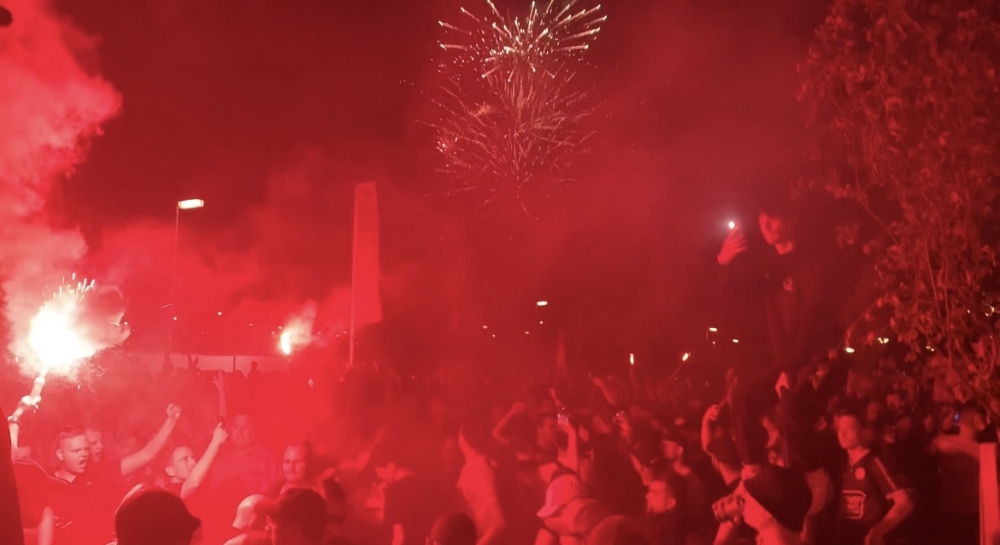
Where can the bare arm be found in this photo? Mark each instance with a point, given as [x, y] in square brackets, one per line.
[398, 534]
[220, 385]
[139, 460]
[726, 534]
[498, 430]
[494, 519]
[201, 468]
[572, 460]
[46, 527]
[545, 538]
[707, 421]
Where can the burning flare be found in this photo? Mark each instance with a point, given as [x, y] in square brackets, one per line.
[297, 332]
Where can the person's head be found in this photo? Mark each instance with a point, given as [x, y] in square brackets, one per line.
[243, 431]
[453, 529]
[563, 490]
[776, 497]
[295, 462]
[664, 493]
[473, 439]
[248, 519]
[253, 365]
[547, 429]
[336, 502]
[969, 421]
[777, 222]
[619, 530]
[153, 516]
[299, 517]
[73, 450]
[850, 426]
[672, 446]
[181, 463]
[96, 440]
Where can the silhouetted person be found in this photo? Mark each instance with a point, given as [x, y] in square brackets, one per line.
[153, 516]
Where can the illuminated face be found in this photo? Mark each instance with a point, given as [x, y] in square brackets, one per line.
[241, 434]
[849, 432]
[95, 439]
[671, 450]
[74, 453]
[659, 498]
[547, 430]
[182, 463]
[775, 229]
[293, 464]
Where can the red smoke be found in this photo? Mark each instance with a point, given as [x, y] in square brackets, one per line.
[49, 107]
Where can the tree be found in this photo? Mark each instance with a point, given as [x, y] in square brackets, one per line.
[904, 98]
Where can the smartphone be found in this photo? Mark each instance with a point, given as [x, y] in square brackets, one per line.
[562, 418]
[955, 418]
[732, 225]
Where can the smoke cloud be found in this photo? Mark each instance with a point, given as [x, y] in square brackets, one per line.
[49, 107]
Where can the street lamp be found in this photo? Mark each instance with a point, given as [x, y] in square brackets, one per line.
[187, 204]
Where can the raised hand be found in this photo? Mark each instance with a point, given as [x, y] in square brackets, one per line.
[734, 245]
[173, 412]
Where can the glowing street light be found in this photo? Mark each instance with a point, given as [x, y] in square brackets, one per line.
[187, 204]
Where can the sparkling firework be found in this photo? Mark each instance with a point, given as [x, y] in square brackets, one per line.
[510, 115]
[74, 324]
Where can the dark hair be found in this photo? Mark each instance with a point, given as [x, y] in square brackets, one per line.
[305, 508]
[69, 432]
[476, 437]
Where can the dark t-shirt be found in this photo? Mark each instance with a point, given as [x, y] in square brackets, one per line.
[411, 503]
[864, 501]
[82, 515]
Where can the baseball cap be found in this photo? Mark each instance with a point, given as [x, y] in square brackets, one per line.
[562, 490]
[783, 493]
[151, 516]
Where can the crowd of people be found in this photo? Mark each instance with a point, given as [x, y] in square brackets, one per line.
[795, 448]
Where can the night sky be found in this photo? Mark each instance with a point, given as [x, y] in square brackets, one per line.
[270, 111]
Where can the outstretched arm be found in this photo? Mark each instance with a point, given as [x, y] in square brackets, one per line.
[10, 515]
[139, 460]
[201, 468]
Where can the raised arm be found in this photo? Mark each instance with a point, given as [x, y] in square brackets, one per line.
[201, 468]
[498, 431]
[220, 386]
[135, 462]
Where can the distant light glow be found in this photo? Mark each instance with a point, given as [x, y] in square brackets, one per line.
[713, 329]
[542, 303]
[686, 356]
[732, 225]
[298, 331]
[190, 204]
[631, 359]
[849, 350]
[736, 341]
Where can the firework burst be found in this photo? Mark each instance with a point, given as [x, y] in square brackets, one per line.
[74, 324]
[510, 114]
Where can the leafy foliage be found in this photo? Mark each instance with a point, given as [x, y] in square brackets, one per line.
[905, 100]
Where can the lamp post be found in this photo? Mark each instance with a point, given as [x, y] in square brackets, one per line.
[188, 204]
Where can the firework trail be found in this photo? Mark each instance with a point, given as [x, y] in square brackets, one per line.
[510, 117]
